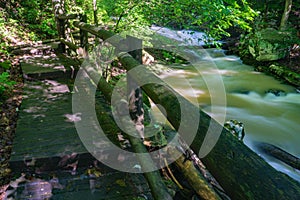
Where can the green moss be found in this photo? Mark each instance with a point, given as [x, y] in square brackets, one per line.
[288, 75]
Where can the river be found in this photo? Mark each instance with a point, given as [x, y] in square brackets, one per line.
[269, 109]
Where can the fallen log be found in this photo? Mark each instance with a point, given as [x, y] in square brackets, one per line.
[240, 171]
[193, 177]
[280, 154]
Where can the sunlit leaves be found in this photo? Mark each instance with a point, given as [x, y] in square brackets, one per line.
[213, 17]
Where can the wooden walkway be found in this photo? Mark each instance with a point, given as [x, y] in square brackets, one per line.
[47, 146]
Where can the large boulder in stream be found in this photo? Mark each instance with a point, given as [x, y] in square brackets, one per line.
[268, 45]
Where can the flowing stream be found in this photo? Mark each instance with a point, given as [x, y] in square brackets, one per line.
[269, 109]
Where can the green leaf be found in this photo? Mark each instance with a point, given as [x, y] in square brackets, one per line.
[6, 64]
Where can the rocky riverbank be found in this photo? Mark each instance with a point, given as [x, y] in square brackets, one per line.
[283, 66]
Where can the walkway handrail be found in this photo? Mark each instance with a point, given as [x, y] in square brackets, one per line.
[240, 171]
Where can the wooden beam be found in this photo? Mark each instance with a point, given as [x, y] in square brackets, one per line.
[158, 188]
[68, 16]
[71, 45]
[59, 9]
[193, 176]
[99, 32]
[239, 170]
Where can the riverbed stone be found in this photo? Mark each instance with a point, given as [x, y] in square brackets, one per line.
[276, 92]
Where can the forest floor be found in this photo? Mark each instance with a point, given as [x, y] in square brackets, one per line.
[10, 106]
[293, 63]
[8, 121]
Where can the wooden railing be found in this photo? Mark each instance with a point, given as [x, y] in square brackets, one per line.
[240, 171]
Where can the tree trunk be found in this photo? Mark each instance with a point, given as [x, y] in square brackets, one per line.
[285, 15]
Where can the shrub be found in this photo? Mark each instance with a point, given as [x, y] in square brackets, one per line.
[6, 84]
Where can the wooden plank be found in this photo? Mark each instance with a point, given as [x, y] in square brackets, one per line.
[50, 67]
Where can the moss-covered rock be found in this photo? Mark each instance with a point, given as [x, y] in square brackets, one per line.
[268, 45]
[288, 75]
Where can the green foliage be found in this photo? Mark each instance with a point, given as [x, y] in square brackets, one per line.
[5, 65]
[171, 57]
[271, 12]
[35, 15]
[6, 85]
[282, 71]
[86, 7]
[3, 47]
[213, 17]
[159, 139]
[45, 29]
[269, 41]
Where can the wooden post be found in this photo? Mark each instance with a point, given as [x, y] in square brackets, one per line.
[84, 34]
[59, 9]
[62, 34]
[95, 12]
[135, 96]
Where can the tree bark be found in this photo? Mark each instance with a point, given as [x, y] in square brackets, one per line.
[285, 15]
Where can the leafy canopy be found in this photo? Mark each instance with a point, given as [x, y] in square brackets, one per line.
[213, 17]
